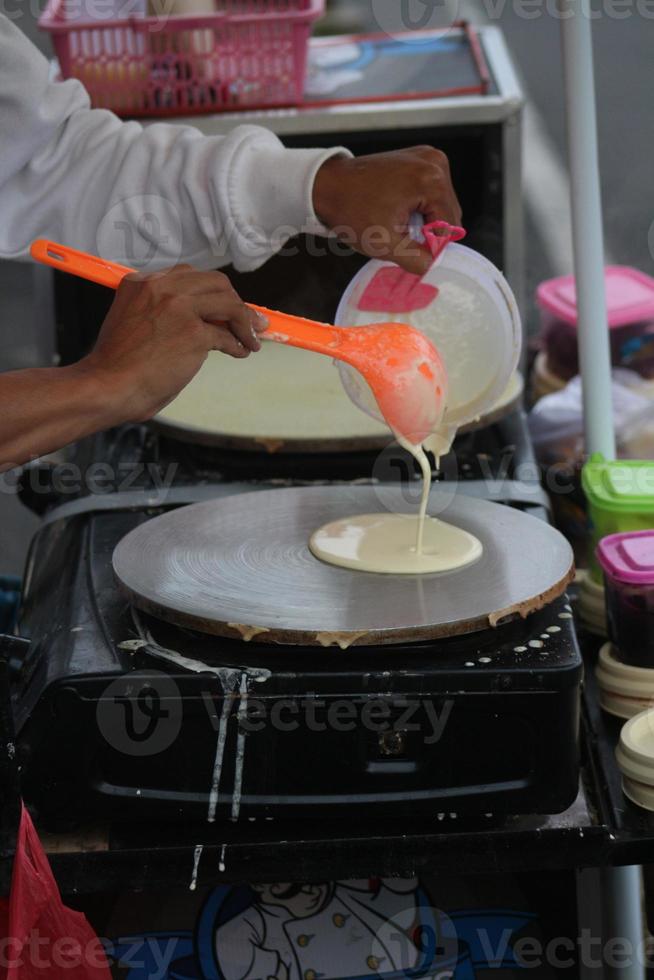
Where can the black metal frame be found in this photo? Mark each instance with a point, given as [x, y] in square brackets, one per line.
[601, 830]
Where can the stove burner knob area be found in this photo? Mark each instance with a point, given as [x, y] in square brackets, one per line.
[392, 744]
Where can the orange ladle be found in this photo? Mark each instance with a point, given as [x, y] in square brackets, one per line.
[402, 367]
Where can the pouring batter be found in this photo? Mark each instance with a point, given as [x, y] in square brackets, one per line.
[397, 544]
[404, 544]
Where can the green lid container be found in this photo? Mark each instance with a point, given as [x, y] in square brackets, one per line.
[620, 496]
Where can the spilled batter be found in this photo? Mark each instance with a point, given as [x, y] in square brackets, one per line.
[397, 544]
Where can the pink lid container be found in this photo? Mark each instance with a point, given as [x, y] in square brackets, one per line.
[629, 297]
[628, 557]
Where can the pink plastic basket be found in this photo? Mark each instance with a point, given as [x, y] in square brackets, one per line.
[249, 53]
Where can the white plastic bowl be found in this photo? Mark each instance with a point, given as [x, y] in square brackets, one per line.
[474, 322]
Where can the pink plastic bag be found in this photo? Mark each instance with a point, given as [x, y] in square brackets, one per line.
[39, 936]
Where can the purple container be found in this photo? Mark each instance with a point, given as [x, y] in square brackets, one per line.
[627, 561]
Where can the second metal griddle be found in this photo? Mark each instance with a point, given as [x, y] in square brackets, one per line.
[229, 566]
[187, 432]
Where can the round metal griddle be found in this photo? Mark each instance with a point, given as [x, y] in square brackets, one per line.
[273, 444]
[188, 433]
[252, 406]
[228, 565]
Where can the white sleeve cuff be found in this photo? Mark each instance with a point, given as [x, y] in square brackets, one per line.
[271, 195]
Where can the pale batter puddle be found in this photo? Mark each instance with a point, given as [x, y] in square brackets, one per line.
[397, 544]
[386, 543]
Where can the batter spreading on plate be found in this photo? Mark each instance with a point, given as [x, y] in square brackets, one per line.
[398, 544]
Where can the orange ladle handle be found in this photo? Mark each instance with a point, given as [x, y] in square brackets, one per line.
[284, 327]
[78, 263]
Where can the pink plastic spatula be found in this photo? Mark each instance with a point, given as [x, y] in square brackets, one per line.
[402, 367]
[393, 290]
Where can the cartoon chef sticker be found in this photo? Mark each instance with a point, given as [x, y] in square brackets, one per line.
[366, 928]
[381, 928]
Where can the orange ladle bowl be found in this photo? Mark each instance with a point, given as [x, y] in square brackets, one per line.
[401, 366]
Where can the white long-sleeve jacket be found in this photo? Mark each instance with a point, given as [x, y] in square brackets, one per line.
[148, 197]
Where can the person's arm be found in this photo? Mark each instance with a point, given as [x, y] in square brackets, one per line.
[151, 197]
[44, 409]
[147, 196]
[156, 337]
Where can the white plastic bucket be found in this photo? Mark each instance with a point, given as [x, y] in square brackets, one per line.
[474, 322]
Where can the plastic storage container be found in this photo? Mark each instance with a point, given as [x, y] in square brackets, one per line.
[248, 53]
[543, 381]
[591, 607]
[627, 561]
[620, 498]
[635, 758]
[630, 302]
[624, 690]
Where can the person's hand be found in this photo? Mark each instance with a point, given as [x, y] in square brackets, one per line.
[159, 332]
[369, 200]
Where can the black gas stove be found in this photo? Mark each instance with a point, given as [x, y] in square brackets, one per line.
[120, 714]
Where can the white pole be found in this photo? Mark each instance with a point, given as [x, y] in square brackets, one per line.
[588, 233]
[621, 885]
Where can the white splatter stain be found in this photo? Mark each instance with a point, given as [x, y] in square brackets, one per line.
[553, 629]
[229, 678]
[565, 615]
[197, 854]
[536, 644]
[195, 666]
[132, 645]
[221, 863]
[240, 749]
[229, 683]
[485, 660]
[520, 649]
